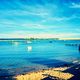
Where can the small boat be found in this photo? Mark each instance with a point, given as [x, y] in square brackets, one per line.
[29, 42]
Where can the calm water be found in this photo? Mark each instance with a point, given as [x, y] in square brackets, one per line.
[37, 54]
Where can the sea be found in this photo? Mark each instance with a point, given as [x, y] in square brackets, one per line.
[22, 56]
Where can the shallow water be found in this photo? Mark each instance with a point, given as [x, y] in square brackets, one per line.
[37, 54]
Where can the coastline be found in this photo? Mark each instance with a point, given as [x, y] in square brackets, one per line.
[65, 72]
[46, 73]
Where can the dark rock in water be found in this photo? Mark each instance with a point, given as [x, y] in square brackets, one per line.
[47, 78]
[79, 47]
[50, 41]
[51, 78]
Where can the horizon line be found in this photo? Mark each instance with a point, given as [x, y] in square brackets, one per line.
[40, 38]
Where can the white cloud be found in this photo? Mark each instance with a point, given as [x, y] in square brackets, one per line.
[59, 18]
[33, 25]
[29, 10]
[75, 5]
[7, 22]
[25, 34]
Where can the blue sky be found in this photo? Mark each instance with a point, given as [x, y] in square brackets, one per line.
[52, 18]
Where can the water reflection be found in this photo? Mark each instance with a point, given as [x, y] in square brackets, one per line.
[29, 48]
[29, 42]
[15, 43]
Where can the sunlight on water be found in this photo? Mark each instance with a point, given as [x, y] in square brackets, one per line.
[29, 48]
[16, 43]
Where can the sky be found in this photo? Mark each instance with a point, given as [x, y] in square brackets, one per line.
[40, 18]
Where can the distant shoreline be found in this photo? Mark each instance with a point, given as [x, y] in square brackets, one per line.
[39, 38]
